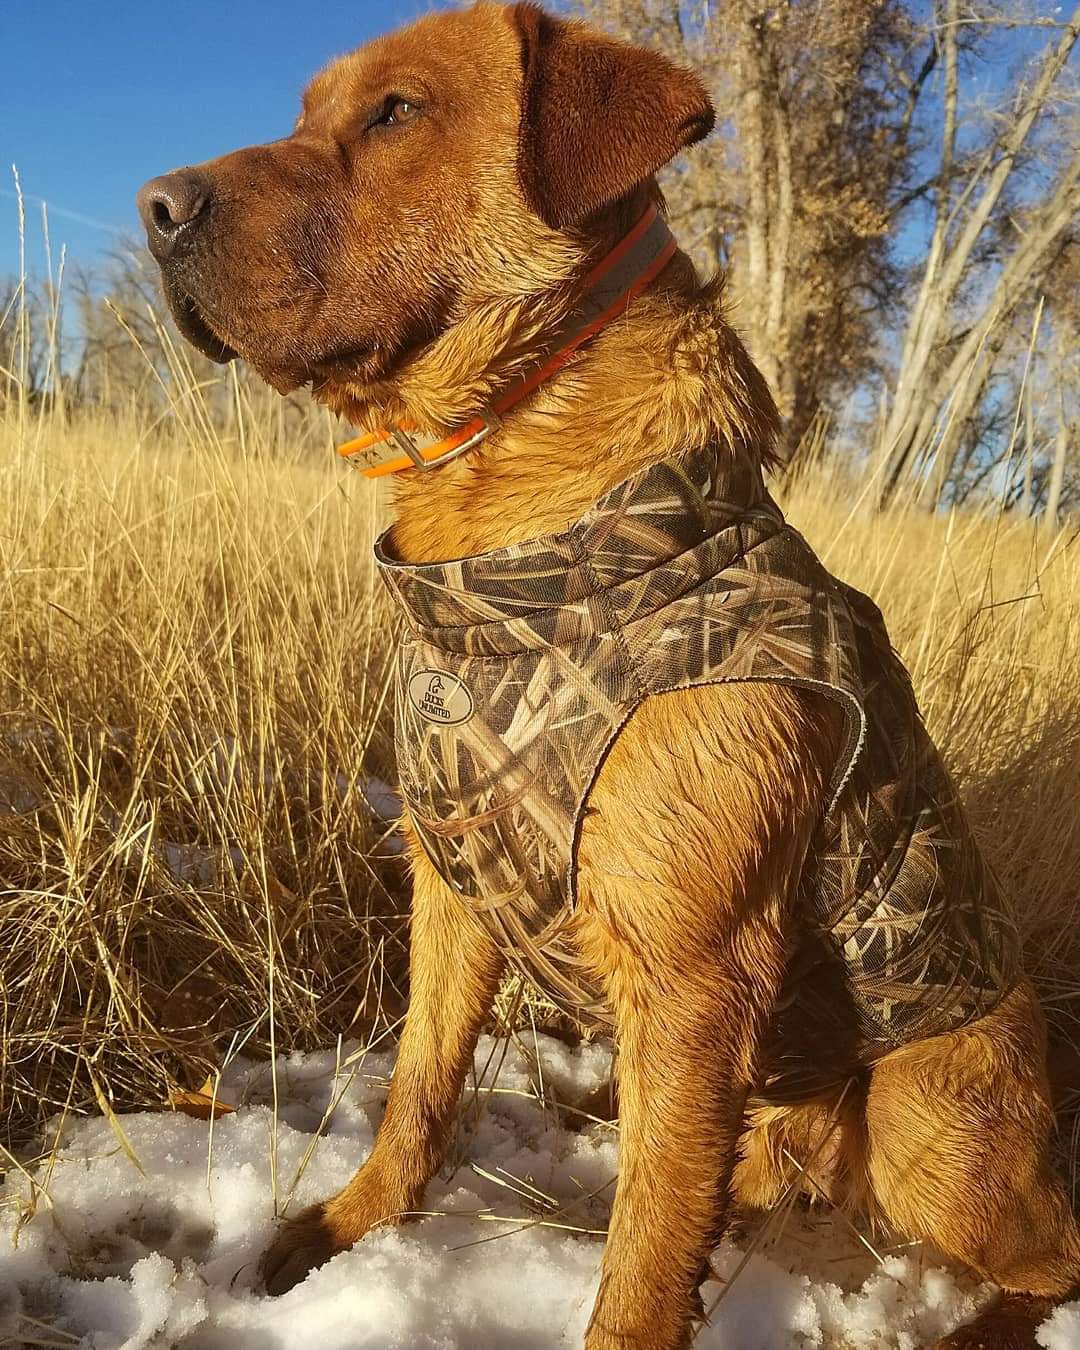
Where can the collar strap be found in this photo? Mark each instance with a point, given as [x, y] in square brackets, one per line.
[606, 292]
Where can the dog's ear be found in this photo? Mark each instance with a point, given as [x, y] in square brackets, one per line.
[598, 116]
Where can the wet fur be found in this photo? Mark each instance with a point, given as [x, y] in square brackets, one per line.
[701, 816]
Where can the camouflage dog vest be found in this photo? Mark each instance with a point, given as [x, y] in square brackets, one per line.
[518, 668]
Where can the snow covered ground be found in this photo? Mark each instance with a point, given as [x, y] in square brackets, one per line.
[156, 1243]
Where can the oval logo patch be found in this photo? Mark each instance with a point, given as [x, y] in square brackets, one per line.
[440, 697]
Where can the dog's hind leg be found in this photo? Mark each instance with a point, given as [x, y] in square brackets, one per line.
[454, 972]
[958, 1131]
[779, 1141]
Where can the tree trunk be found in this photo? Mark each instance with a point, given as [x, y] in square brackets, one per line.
[777, 330]
[751, 73]
[1061, 449]
[1027, 492]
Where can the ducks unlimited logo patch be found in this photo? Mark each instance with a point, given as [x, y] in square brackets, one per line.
[440, 697]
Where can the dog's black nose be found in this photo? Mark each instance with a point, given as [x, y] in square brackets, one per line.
[172, 208]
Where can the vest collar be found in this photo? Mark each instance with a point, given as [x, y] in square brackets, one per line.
[653, 537]
[606, 292]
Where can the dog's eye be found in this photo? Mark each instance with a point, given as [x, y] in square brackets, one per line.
[397, 111]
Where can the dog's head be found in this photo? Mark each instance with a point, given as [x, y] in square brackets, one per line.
[427, 172]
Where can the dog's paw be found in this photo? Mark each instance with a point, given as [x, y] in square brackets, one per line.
[301, 1244]
[1008, 1324]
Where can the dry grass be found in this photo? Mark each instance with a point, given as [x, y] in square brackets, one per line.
[193, 680]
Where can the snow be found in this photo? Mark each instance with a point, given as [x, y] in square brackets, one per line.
[111, 1257]
[1061, 1331]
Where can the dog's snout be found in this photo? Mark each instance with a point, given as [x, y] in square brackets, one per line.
[172, 208]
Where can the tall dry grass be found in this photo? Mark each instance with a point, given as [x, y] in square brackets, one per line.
[193, 689]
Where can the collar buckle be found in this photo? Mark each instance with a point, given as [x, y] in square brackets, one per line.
[409, 445]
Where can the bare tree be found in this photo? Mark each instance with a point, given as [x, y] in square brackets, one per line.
[24, 341]
[794, 194]
[822, 107]
[981, 263]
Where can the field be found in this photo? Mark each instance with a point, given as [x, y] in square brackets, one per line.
[196, 841]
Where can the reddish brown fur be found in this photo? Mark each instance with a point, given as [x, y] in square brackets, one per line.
[572, 77]
[409, 272]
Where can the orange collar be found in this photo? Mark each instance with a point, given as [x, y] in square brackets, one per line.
[636, 260]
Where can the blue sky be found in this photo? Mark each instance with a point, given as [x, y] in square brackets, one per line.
[98, 95]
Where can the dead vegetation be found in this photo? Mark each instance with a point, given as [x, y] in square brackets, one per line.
[193, 838]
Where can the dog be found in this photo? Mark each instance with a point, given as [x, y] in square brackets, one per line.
[708, 758]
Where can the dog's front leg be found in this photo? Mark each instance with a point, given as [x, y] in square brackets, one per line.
[687, 881]
[454, 971]
[685, 1050]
